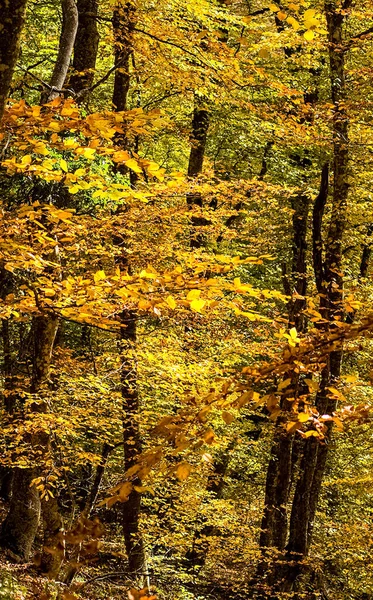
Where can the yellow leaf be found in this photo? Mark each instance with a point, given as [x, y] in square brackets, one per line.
[133, 165]
[26, 160]
[70, 143]
[49, 292]
[303, 417]
[194, 294]
[274, 7]
[313, 386]
[284, 384]
[171, 302]
[63, 165]
[311, 23]
[41, 148]
[121, 156]
[183, 471]
[334, 391]
[125, 491]
[311, 433]
[308, 35]
[228, 418]
[197, 305]
[263, 53]
[89, 153]
[144, 304]
[338, 422]
[244, 399]
[309, 14]
[209, 436]
[293, 22]
[80, 172]
[350, 378]
[291, 426]
[281, 15]
[99, 276]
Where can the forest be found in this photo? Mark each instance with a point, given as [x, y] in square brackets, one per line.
[186, 365]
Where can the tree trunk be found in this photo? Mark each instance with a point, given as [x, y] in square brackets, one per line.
[85, 48]
[124, 20]
[315, 454]
[53, 546]
[200, 125]
[65, 50]
[132, 441]
[19, 529]
[198, 137]
[12, 17]
[329, 280]
[20, 526]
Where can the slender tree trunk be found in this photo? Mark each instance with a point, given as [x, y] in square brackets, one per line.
[311, 476]
[200, 125]
[198, 137]
[329, 280]
[85, 48]
[132, 441]
[366, 254]
[279, 474]
[12, 17]
[65, 49]
[124, 20]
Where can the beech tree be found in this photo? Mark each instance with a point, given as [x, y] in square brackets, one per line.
[185, 281]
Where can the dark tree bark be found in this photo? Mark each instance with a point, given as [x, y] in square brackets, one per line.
[65, 50]
[132, 441]
[19, 529]
[198, 138]
[274, 528]
[21, 524]
[366, 254]
[124, 21]
[311, 476]
[85, 47]
[329, 281]
[200, 125]
[12, 16]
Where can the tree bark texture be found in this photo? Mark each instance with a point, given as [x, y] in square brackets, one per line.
[315, 454]
[198, 137]
[65, 50]
[132, 441]
[329, 281]
[85, 47]
[200, 125]
[21, 524]
[124, 21]
[12, 16]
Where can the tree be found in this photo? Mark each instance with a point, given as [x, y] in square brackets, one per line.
[185, 270]
[12, 21]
